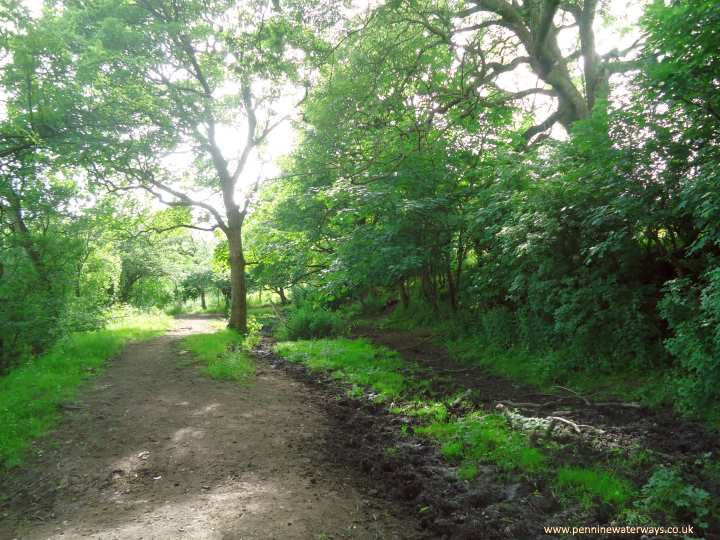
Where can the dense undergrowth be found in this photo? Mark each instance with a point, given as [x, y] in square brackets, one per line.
[30, 396]
[497, 340]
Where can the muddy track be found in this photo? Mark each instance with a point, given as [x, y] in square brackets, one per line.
[606, 426]
[490, 508]
[659, 429]
[153, 449]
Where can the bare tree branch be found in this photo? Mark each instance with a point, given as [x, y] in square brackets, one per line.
[161, 230]
[542, 126]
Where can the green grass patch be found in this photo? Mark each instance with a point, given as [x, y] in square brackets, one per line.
[224, 353]
[436, 410]
[492, 340]
[590, 485]
[468, 471]
[545, 369]
[30, 394]
[357, 362]
[476, 439]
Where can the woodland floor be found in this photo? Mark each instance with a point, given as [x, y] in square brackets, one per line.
[152, 449]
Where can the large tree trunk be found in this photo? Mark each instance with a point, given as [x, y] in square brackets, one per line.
[238, 295]
[202, 299]
[283, 298]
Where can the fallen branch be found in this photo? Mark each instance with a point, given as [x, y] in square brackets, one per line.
[628, 405]
[576, 394]
[555, 419]
[519, 404]
[575, 426]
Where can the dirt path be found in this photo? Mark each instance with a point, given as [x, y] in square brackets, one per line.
[155, 450]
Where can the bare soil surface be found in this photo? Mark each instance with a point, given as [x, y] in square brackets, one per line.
[153, 449]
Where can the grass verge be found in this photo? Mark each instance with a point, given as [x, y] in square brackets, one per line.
[30, 394]
[544, 370]
[224, 353]
[492, 340]
[357, 362]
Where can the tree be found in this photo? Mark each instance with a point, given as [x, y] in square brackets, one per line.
[186, 71]
[196, 285]
[554, 40]
[281, 255]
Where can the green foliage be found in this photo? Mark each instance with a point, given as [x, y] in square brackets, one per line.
[590, 485]
[693, 313]
[682, 36]
[30, 394]
[485, 438]
[591, 256]
[224, 353]
[492, 346]
[308, 322]
[356, 362]
[666, 494]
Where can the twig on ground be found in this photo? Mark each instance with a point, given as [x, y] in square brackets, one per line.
[575, 426]
[576, 394]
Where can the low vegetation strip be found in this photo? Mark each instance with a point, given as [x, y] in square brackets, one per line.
[586, 482]
[31, 395]
[224, 353]
[357, 362]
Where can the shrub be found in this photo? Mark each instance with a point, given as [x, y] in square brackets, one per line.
[307, 322]
[666, 494]
[693, 313]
